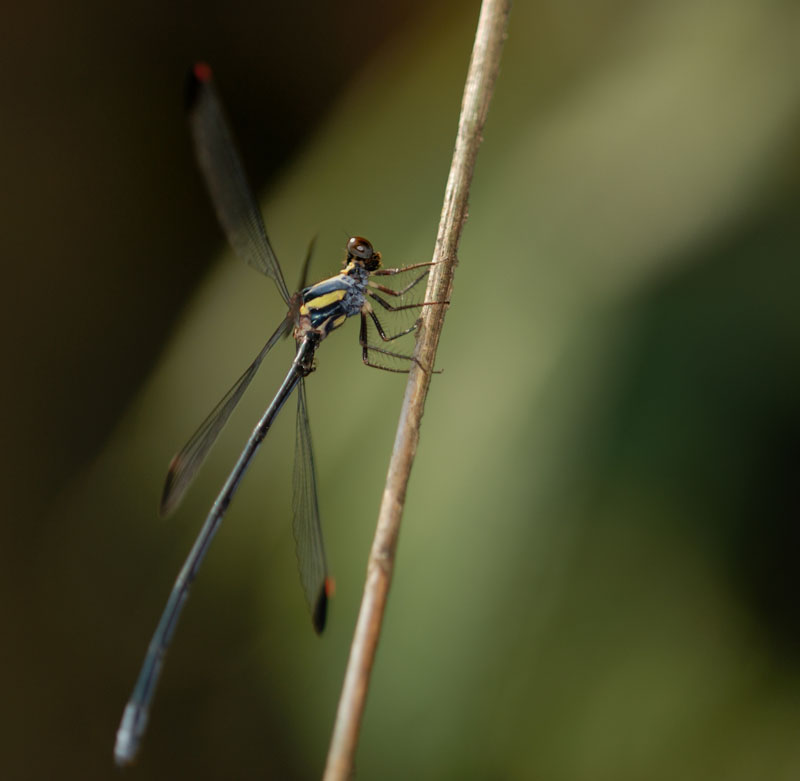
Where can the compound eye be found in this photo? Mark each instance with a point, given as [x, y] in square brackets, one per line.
[359, 247]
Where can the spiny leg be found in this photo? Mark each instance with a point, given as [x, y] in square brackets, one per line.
[388, 272]
[366, 347]
[391, 308]
[402, 291]
[386, 305]
[381, 332]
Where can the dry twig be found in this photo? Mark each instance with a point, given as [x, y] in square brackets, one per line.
[481, 76]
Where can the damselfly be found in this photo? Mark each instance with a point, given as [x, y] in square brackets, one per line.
[312, 314]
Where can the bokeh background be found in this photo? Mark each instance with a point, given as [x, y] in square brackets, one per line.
[597, 574]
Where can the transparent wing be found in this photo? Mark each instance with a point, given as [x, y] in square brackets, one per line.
[307, 264]
[306, 525]
[187, 462]
[219, 161]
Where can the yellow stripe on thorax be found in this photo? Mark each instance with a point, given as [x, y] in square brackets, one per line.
[320, 302]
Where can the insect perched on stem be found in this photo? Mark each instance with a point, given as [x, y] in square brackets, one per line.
[313, 313]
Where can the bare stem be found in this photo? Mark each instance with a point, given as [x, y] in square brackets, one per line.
[481, 76]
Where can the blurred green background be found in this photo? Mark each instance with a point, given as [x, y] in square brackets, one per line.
[597, 574]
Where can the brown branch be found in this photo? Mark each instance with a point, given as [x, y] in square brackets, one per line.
[481, 76]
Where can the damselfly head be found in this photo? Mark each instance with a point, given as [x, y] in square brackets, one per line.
[360, 250]
[359, 247]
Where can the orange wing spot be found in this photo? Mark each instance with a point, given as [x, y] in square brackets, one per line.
[330, 587]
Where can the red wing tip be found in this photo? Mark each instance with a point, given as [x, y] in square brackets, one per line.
[197, 80]
[202, 71]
